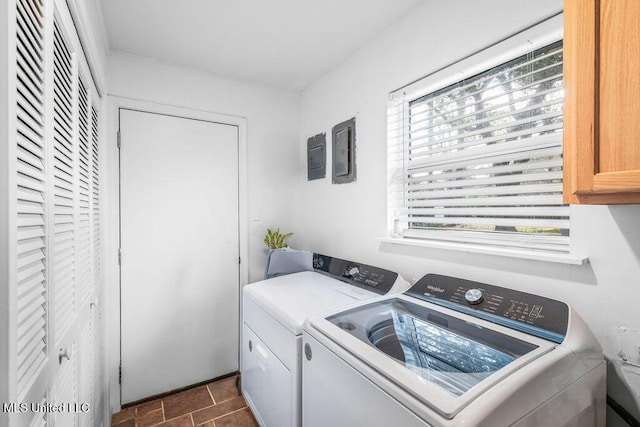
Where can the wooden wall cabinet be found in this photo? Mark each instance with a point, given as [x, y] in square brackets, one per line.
[602, 101]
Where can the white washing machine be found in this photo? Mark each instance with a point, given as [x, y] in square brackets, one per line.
[451, 352]
[273, 314]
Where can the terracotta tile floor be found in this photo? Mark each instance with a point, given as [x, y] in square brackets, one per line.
[217, 404]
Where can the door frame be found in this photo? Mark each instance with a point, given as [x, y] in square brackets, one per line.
[112, 217]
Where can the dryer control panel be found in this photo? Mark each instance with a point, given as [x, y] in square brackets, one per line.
[533, 314]
[364, 276]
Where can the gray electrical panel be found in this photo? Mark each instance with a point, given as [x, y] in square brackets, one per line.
[317, 157]
[344, 152]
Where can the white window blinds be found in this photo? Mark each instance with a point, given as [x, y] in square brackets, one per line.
[480, 160]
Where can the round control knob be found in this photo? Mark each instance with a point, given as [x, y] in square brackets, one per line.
[473, 296]
[353, 271]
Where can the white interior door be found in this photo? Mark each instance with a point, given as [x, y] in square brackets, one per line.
[180, 252]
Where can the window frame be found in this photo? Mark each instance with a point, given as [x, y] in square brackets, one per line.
[521, 43]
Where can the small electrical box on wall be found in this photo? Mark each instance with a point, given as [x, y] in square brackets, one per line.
[317, 157]
[344, 152]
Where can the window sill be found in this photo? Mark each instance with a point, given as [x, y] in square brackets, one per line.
[487, 250]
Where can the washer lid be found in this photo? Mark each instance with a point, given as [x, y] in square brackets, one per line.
[294, 297]
[438, 347]
[443, 358]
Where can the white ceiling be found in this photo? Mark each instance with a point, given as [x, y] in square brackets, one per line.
[288, 44]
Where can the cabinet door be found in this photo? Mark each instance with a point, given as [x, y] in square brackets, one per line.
[266, 383]
[602, 104]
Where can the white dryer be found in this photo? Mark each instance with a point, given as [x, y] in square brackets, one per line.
[273, 315]
[452, 352]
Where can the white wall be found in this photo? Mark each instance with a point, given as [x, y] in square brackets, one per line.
[346, 220]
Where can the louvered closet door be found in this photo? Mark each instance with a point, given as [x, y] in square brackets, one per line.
[56, 355]
[75, 244]
[31, 349]
[64, 197]
[97, 394]
[64, 243]
[85, 355]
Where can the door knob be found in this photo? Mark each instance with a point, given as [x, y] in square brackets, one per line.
[64, 354]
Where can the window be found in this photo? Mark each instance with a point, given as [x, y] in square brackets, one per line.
[478, 158]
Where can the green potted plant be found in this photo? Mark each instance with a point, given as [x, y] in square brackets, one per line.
[274, 239]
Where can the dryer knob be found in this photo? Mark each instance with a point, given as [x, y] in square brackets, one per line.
[473, 296]
[353, 271]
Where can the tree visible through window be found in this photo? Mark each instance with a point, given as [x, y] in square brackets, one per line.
[482, 158]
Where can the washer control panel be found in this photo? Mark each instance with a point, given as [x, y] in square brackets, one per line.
[364, 276]
[530, 313]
